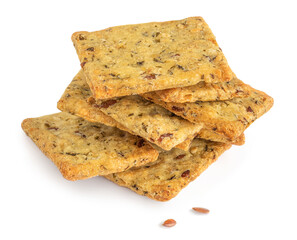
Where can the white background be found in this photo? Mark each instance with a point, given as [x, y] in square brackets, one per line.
[250, 190]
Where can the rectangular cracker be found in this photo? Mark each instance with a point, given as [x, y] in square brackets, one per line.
[174, 170]
[206, 92]
[133, 114]
[229, 118]
[81, 149]
[134, 59]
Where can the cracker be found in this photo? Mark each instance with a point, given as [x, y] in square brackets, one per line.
[132, 113]
[134, 59]
[81, 149]
[229, 118]
[174, 170]
[206, 92]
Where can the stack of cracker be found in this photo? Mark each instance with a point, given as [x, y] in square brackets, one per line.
[151, 108]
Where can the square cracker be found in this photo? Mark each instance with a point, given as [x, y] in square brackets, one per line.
[174, 170]
[134, 59]
[206, 92]
[228, 118]
[81, 149]
[133, 114]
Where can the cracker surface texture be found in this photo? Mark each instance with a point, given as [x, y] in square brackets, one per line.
[174, 170]
[81, 149]
[206, 92]
[133, 59]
